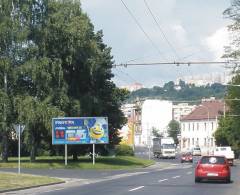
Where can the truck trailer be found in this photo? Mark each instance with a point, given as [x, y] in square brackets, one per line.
[164, 147]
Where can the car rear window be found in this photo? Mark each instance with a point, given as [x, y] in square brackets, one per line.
[212, 160]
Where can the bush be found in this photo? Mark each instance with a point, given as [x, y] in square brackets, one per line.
[124, 150]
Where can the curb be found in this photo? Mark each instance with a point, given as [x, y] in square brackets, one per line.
[29, 187]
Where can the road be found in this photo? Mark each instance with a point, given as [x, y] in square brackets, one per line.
[177, 179]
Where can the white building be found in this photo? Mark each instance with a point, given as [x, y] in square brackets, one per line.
[198, 127]
[155, 114]
[210, 78]
[181, 110]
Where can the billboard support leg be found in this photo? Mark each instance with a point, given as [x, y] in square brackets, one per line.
[19, 148]
[66, 155]
[93, 154]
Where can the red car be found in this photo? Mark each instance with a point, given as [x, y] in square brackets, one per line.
[186, 157]
[213, 168]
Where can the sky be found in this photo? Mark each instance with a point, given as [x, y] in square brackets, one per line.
[186, 30]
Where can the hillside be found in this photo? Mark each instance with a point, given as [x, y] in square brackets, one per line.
[183, 92]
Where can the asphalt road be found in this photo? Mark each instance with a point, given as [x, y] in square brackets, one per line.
[176, 181]
[173, 180]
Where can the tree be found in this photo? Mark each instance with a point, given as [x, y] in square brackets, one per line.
[12, 36]
[155, 132]
[57, 66]
[174, 130]
[228, 131]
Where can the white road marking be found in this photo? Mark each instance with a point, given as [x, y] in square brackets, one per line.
[162, 180]
[134, 189]
[189, 173]
[53, 190]
[174, 164]
[176, 176]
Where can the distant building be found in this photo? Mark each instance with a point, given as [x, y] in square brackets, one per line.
[198, 127]
[133, 127]
[180, 110]
[205, 79]
[155, 114]
[133, 87]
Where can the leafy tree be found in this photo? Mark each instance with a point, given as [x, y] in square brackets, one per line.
[186, 92]
[155, 132]
[56, 66]
[174, 130]
[229, 127]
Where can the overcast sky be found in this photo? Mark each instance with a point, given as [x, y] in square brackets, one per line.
[196, 30]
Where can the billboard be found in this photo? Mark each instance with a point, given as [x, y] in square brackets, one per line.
[82, 130]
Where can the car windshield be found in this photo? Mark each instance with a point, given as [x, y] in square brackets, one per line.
[212, 160]
[168, 146]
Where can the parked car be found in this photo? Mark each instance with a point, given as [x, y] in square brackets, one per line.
[186, 157]
[213, 168]
[196, 151]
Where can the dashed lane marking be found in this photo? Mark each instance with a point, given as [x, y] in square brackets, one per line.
[138, 188]
[176, 176]
[162, 180]
[189, 173]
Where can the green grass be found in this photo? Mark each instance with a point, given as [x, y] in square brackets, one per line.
[14, 181]
[120, 162]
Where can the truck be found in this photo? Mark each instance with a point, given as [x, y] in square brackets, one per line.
[164, 147]
[225, 151]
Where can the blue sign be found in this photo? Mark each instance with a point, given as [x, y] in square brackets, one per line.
[82, 130]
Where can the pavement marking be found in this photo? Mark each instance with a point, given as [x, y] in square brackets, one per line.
[174, 164]
[176, 176]
[134, 189]
[162, 180]
[53, 190]
[189, 173]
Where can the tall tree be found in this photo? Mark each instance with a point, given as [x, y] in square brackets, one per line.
[229, 127]
[174, 130]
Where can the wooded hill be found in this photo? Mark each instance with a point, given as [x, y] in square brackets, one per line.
[182, 92]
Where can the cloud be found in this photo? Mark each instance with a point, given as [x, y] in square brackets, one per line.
[216, 42]
[180, 33]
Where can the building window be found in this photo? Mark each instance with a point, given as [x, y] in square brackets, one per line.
[193, 141]
[183, 126]
[193, 126]
[205, 141]
[197, 142]
[212, 125]
[188, 142]
[205, 126]
[189, 126]
[211, 141]
[197, 126]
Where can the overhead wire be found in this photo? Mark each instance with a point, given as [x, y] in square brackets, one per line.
[161, 30]
[142, 29]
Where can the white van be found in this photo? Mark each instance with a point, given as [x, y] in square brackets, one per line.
[196, 151]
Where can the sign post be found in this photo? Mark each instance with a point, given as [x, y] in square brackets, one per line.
[93, 154]
[80, 130]
[66, 155]
[19, 129]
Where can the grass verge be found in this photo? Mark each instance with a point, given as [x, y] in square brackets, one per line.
[10, 181]
[120, 162]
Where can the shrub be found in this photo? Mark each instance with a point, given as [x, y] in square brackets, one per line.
[124, 150]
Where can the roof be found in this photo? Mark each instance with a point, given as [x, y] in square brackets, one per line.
[206, 110]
